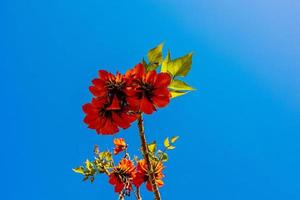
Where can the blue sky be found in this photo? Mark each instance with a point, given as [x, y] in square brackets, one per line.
[239, 130]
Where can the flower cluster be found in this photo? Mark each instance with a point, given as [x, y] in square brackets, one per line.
[142, 175]
[127, 173]
[122, 176]
[118, 99]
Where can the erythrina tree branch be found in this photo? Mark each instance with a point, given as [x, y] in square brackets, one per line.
[146, 157]
[119, 100]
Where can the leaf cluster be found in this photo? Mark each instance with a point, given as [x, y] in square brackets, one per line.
[177, 68]
[161, 155]
[101, 164]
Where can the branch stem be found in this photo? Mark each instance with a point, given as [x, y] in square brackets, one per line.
[147, 157]
[121, 197]
[138, 194]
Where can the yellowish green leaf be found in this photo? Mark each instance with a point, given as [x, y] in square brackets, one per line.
[179, 85]
[167, 142]
[180, 66]
[151, 67]
[89, 166]
[177, 93]
[144, 63]
[106, 155]
[79, 170]
[152, 147]
[164, 65]
[173, 139]
[171, 147]
[162, 156]
[155, 55]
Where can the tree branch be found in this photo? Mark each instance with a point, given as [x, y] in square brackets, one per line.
[147, 158]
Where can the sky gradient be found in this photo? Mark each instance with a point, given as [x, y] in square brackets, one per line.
[239, 131]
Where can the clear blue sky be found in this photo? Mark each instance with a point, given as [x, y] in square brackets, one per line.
[240, 131]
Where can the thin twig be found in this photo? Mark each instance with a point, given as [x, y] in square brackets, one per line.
[160, 159]
[138, 194]
[121, 197]
[147, 158]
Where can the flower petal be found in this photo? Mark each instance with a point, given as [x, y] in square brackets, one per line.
[146, 106]
[98, 82]
[89, 109]
[123, 123]
[103, 74]
[98, 92]
[163, 80]
[109, 128]
[149, 186]
[161, 101]
[151, 77]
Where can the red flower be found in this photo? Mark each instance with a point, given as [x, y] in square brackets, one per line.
[142, 176]
[104, 119]
[120, 145]
[122, 175]
[109, 109]
[111, 87]
[147, 90]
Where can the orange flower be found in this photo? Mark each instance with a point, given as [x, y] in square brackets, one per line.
[120, 145]
[142, 176]
[122, 176]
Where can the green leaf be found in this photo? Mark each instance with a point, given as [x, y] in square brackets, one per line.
[79, 170]
[106, 155]
[152, 67]
[167, 143]
[102, 155]
[89, 166]
[174, 138]
[177, 93]
[155, 55]
[152, 147]
[170, 147]
[180, 85]
[180, 66]
[164, 65]
[162, 156]
[145, 63]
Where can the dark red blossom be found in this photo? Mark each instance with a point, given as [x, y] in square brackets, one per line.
[110, 86]
[147, 90]
[102, 116]
[122, 176]
[109, 109]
